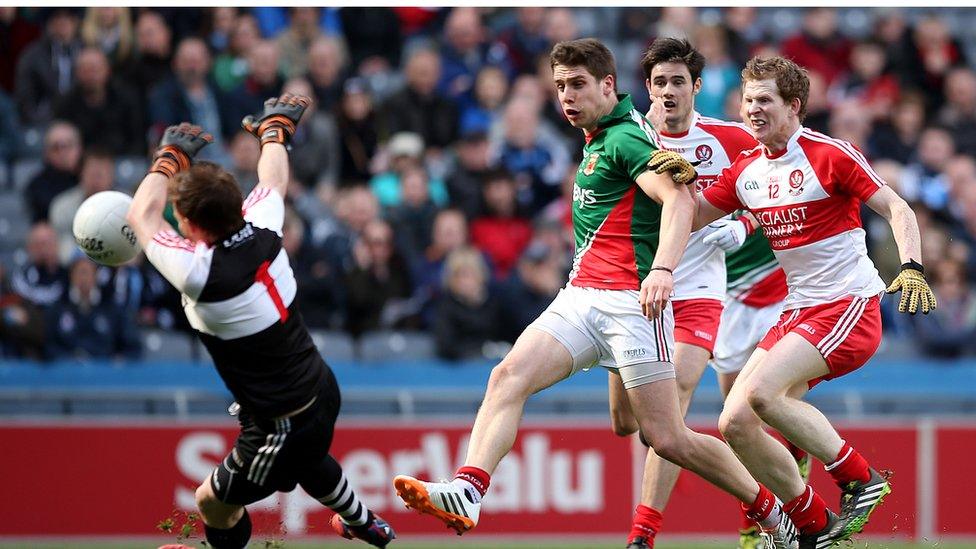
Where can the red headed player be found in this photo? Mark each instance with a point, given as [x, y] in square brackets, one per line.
[673, 68]
[805, 189]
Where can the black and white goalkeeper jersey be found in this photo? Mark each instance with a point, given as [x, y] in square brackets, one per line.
[239, 294]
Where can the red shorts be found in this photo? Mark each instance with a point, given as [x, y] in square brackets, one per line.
[696, 321]
[847, 332]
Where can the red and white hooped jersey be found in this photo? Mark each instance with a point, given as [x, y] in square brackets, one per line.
[715, 144]
[807, 199]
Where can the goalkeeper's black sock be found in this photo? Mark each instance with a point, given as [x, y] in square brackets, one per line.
[235, 537]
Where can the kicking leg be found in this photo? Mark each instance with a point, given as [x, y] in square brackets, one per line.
[328, 485]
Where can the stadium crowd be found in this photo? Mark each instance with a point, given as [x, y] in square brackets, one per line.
[433, 178]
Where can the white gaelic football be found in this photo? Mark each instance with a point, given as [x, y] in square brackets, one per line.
[101, 230]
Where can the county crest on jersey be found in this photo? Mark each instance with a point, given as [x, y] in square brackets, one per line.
[615, 224]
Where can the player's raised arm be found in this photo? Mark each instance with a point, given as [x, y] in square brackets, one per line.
[274, 126]
[175, 154]
[677, 211]
[915, 292]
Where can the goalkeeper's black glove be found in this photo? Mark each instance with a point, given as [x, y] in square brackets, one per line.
[682, 171]
[278, 121]
[178, 147]
[915, 290]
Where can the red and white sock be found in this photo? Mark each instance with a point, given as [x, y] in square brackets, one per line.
[808, 511]
[848, 466]
[765, 509]
[647, 523]
[472, 480]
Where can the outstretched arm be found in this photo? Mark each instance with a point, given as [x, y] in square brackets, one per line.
[678, 209]
[175, 154]
[274, 127]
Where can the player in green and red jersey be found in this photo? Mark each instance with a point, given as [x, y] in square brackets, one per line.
[631, 229]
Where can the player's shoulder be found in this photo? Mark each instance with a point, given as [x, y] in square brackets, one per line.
[730, 134]
[823, 144]
[633, 131]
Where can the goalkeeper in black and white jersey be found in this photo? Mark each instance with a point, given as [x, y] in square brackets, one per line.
[238, 292]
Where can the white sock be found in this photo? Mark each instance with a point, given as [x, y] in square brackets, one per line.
[775, 514]
[474, 495]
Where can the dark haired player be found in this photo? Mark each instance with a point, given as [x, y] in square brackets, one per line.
[238, 292]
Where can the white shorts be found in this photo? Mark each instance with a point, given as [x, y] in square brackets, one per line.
[606, 328]
[741, 328]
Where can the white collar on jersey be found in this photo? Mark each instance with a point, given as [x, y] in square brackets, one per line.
[790, 145]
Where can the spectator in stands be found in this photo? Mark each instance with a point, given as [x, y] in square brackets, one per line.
[897, 138]
[719, 75]
[560, 25]
[109, 28]
[42, 281]
[222, 19]
[326, 67]
[466, 317]
[160, 305]
[405, 151]
[819, 46]
[244, 154]
[464, 184]
[355, 208]
[190, 96]
[418, 108]
[450, 232]
[16, 34]
[295, 42]
[537, 164]
[82, 324]
[263, 79]
[500, 232]
[315, 145]
[867, 82]
[320, 290]
[21, 324]
[413, 218]
[526, 39]
[850, 121]
[44, 70]
[923, 179]
[818, 104]
[490, 90]
[62, 157]
[950, 330]
[464, 52]
[357, 122]
[530, 289]
[97, 174]
[934, 52]
[231, 67]
[742, 32]
[958, 115]
[374, 38]
[105, 111]
[151, 63]
[378, 286]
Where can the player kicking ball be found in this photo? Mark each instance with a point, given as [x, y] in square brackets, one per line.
[805, 189]
[672, 68]
[238, 293]
[631, 225]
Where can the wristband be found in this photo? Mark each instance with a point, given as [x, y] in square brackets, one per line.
[912, 264]
[662, 269]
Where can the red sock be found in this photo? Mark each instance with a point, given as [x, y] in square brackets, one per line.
[808, 511]
[849, 465]
[795, 451]
[762, 506]
[477, 477]
[647, 523]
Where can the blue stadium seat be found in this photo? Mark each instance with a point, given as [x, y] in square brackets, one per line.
[158, 344]
[392, 345]
[24, 170]
[14, 221]
[334, 345]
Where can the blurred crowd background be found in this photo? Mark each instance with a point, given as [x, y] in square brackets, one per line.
[432, 179]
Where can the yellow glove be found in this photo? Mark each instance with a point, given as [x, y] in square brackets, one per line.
[914, 289]
[682, 171]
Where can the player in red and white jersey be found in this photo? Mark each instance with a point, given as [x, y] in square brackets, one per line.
[805, 189]
[672, 68]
